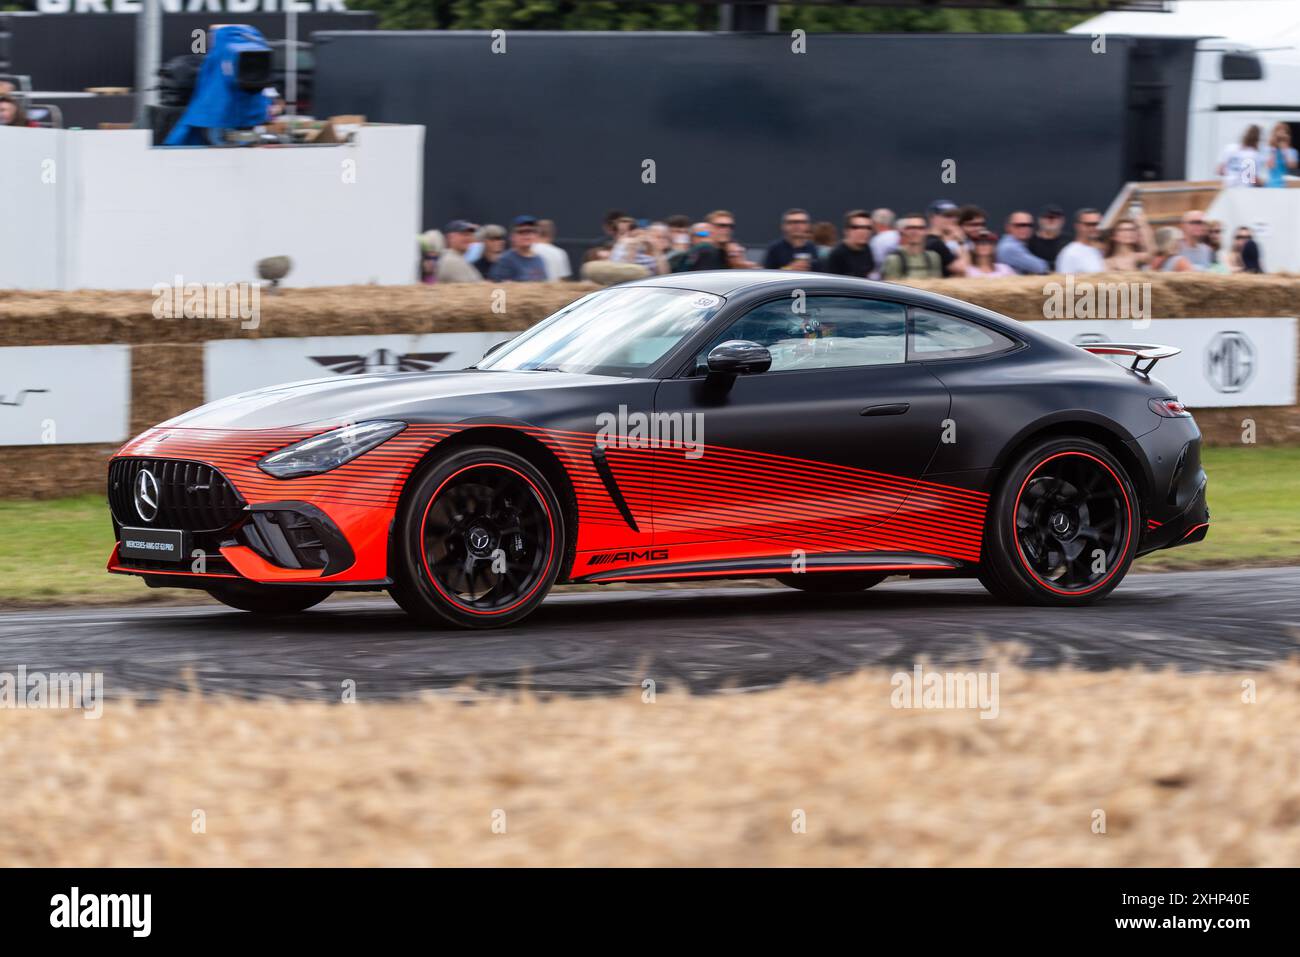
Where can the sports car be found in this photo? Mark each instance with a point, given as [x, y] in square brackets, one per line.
[824, 431]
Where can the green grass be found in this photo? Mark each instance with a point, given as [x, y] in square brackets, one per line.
[55, 551]
[1254, 497]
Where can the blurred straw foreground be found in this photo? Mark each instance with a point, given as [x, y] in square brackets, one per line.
[1184, 770]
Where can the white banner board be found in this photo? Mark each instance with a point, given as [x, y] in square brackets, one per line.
[63, 395]
[231, 366]
[1224, 362]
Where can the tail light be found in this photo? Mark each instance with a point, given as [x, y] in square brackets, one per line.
[1169, 408]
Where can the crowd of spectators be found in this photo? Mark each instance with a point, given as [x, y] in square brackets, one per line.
[946, 240]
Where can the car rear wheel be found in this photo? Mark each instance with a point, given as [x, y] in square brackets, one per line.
[479, 540]
[268, 599]
[1063, 528]
[831, 583]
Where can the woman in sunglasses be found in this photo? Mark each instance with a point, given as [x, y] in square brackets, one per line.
[983, 258]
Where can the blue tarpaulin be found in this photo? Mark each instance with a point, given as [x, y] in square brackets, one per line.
[218, 102]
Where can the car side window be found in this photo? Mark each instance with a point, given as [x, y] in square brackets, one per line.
[936, 335]
[821, 332]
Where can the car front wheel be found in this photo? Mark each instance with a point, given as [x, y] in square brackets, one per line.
[479, 540]
[1063, 527]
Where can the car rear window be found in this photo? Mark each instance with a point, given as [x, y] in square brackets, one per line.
[936, 335]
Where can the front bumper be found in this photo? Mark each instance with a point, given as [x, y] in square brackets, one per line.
[275, 542]
[329, 529]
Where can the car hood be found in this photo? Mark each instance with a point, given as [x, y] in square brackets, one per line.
[407, 396]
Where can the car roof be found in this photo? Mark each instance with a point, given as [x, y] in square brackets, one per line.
[733, 282]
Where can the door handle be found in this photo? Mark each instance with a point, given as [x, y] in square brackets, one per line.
[893, 408]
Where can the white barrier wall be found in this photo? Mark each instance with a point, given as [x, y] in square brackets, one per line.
[64, 395]
[32, 210]
[105, 210]
[1224, 362]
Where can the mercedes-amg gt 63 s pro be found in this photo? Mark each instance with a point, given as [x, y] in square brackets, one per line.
[824, 431]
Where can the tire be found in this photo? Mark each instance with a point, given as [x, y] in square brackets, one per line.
[1063, 527]
[479, 540]
[832, 583]
[268, 599]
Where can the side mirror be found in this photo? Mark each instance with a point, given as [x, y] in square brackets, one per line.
[739, 357]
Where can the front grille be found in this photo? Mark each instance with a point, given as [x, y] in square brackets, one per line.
[191, 495]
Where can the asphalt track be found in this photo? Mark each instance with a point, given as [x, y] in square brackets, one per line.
[715, 639]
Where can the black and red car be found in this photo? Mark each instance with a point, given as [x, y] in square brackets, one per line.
[826, 431]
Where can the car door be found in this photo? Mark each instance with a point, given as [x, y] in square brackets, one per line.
[828, 442]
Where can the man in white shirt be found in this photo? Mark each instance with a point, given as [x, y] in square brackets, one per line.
[555, 259]
[1083, 255]
[885, 240]
[1242, 163]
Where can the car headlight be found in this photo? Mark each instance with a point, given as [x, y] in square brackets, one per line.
[328, 450]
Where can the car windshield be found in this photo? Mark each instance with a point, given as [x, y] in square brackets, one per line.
[622, 332]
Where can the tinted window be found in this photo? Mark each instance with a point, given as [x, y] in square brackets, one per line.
[1241, 66]
[821, 332]
[939, 336]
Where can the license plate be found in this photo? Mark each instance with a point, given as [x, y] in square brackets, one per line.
[160, 544]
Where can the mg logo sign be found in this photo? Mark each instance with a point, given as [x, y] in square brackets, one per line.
[1230, 361]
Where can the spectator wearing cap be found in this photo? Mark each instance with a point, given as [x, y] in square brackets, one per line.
[554, 258]
[944, 238]
[1049, 238]
[1013, 247]
[452, 266]
[852, 256]
[795, 249]
[494, 247]
[520, 263]
[1084, 254]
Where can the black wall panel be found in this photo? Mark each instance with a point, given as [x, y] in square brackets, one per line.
[559, 124]
[72, 51]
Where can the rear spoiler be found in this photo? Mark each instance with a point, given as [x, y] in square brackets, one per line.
[1138, 351]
